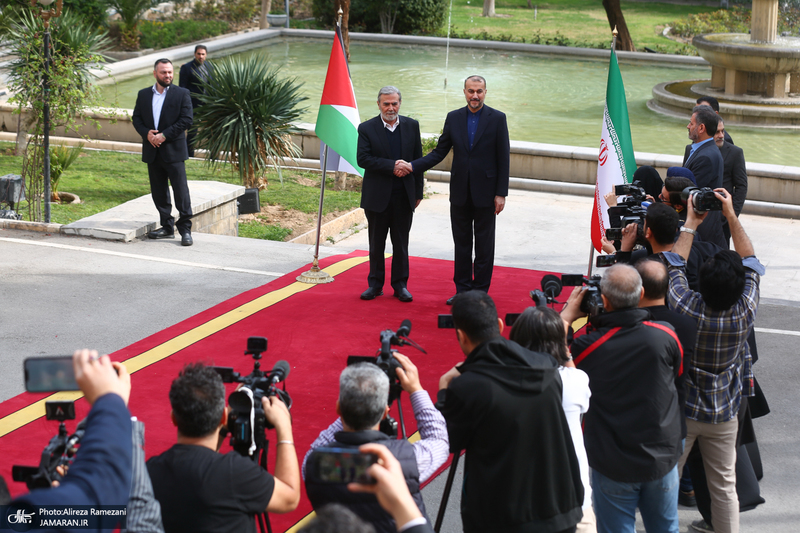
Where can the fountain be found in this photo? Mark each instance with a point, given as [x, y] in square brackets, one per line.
[756, 77]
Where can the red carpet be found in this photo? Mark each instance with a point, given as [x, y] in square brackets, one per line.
[314, 329]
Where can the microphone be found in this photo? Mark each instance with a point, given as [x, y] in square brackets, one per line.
[279, 372]
[405, 328]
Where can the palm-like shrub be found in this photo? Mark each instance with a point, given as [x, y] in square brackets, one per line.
[246, 116]
[130, 12]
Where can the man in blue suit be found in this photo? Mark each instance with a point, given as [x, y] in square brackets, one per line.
[703, 158]
[478, 136]
[162, 115]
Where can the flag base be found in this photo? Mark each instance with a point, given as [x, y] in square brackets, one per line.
[315, 276]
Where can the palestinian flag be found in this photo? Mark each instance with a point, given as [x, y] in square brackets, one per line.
[616, 163]
[337, 120]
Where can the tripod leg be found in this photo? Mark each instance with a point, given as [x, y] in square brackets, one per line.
[402, 423]
[446, 494]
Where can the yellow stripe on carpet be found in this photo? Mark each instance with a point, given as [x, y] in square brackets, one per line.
[30, 413]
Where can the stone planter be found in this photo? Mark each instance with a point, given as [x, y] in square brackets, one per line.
[276, 20]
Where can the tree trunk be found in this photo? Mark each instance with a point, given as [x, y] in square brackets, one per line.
[345, 7]
[617, 19]
[488, 8]
[266, 6]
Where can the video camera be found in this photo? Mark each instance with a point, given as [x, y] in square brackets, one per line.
[592, 303]
[59, 452]
[247, 422]
[386, 361]
[629, 208]
[703, 199]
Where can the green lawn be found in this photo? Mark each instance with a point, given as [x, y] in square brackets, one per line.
[103, 180]
[576, 22]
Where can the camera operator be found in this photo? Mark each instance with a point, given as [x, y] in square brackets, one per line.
[503, 406]
[200, 489]
[632, 429]
[720, 373]
[362, 404]
[661, 230]
[101, 472]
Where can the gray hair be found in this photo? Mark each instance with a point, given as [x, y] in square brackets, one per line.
[622, 286]
[363, 395]
[390, 89]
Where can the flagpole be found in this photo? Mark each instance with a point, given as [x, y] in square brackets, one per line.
[614, 34]
[315, 275]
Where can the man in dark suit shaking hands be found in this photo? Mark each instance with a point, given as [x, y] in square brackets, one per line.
[478, 136]
[162, 114]
[389, 195]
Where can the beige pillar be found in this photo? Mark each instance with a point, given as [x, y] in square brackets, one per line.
[717, 77]
[735, 81]
[777, 85]
[764, 21]
[794, 84]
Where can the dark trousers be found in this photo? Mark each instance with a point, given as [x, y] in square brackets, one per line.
[466, 221]
[395, 220]
[190, 136]
[161, 175]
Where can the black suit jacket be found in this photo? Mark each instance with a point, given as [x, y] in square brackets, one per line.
[176, 118]
[191, 81]
[481, 172]
[375, 157]
[706, 165]
[734, 175]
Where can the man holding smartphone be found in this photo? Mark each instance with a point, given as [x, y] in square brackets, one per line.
[362, 404]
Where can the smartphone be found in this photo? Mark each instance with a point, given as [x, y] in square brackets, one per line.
[614, 234]
[446, 321]
[49, 374]
[340, 465]
[571, 280]
[605, 260]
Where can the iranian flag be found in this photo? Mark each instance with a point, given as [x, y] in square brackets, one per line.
[616, 163]
[337, 120]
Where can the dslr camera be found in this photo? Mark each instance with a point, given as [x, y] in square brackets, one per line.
[703, 199]
[592, 303]
[247, 422]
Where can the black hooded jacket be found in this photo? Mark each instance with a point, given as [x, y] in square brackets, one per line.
[521, 473]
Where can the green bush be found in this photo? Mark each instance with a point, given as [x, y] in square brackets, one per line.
[414, 16]
[92, 11]
[166, 34]
[237, 12]
[735, 20]
[257, 230]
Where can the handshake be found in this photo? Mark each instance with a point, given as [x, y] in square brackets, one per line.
[401, 168]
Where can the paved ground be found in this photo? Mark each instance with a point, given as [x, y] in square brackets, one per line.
[59, 292]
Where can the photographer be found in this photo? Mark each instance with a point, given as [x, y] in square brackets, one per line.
[362, 404]
[720, 373]
[632, 429]
[100, 475]
[503, 406]
[200, 489]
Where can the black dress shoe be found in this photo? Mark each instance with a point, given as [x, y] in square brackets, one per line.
[161, 233]
[186, 239]
[371, 293]
[403, 295]
[450, 300]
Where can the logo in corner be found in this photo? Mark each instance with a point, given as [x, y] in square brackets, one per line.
[21, 517]
[603, 152]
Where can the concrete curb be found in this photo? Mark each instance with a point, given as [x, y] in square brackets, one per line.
[333, 228]
[25, 225]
